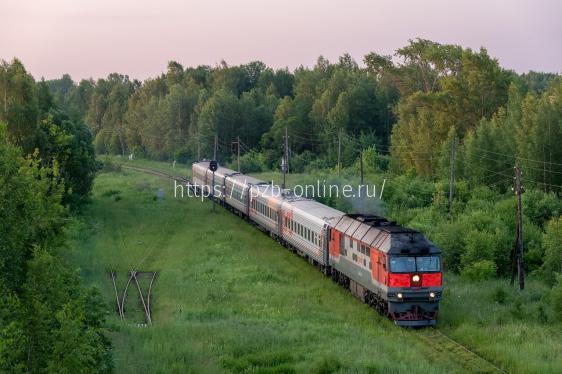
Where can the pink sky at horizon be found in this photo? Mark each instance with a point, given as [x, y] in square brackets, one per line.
[88, 38]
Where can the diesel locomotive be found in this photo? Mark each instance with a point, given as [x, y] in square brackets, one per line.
[392, 268]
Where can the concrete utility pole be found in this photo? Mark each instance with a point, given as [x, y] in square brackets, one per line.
[452, 175]
[285, 161]
[339, 152]
[517, 254]
[288, 156]
[361, 163]
[215, 149]
[237, 142]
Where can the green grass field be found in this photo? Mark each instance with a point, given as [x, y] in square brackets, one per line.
[230, 299]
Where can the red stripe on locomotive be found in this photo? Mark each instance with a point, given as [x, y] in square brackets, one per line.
[431, 280]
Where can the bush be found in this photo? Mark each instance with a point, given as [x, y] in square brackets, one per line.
[450, 237]
[479, 271]
[183, 156]
[500, 295]
[556, 299]
[552, 250]
[479, 246]
[108, 165]
[517, 309]
[373, 161]
[317, 164]
[541, 207]
[251, 162]
[298, 163]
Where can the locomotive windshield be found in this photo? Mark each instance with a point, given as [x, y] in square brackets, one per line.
[407, 264]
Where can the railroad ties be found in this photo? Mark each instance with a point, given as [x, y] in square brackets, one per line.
[135, 277]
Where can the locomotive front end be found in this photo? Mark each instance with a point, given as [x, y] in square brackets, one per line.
[414, 288]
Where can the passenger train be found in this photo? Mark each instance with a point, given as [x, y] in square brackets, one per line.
[392, 268]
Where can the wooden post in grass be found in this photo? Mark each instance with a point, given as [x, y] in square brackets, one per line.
[339, 152]
[452, 176]
[285, 161]
[517, 253]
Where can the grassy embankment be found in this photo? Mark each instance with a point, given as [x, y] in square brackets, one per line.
[227, 297]
[230, 299]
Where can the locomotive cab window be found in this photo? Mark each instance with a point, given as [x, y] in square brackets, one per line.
[410, 264]
[427, 263]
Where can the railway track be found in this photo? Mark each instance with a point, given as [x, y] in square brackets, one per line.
[144, 299]
[158, 173]
[439, 342]
[442, 344]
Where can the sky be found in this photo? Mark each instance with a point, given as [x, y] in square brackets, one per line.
[92, 38]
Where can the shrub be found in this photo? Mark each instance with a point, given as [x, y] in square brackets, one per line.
[251, 162]
[108, 165]
[552, 249]
[517, 309]
[542, 317]
[499, 296]
[317, 164]
[479, 271]
[541, 207]
[479, 246]
[556, 299]
[298, 163]
[450, 237]
[182, 156]
[373, 161]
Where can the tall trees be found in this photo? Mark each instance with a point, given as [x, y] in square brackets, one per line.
[36, 287]
[408, 104]
[105, 115]
[38, 126]
[18, 107]
[442, 87]
[539, 137]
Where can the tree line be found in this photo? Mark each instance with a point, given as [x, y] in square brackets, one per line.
[49, 322]
[408, 107]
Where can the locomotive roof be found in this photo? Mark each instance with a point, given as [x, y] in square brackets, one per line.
[385, 235]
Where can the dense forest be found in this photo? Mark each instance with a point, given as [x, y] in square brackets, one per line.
[412, 118]
[408, 107]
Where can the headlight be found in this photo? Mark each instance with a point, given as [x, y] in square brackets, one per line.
[416, 278]
[399, 295]
[432, 295]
